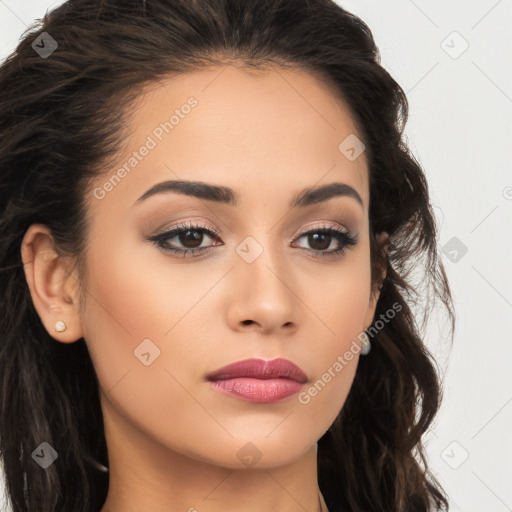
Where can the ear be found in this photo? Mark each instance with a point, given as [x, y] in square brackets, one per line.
[382, 248]
[53, 288]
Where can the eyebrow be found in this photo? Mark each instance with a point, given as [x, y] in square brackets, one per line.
[226, 195]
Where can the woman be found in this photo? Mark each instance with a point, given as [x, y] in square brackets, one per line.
[209, 218]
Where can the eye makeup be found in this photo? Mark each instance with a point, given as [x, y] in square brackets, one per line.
[191, 236]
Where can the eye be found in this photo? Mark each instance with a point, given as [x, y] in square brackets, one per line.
[326, 237]
[188, 240]
[190, 235]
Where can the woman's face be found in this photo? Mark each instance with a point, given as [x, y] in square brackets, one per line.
[259, 279]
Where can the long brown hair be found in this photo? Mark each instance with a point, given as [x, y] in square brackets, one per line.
[62, 120]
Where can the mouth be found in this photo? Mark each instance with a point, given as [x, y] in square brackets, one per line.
[257, 380]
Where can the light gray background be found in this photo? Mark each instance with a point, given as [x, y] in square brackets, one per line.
[460, 130]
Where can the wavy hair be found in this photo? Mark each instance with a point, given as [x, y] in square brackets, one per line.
[63, 120]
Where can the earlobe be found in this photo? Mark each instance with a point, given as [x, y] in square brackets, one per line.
[51, 285]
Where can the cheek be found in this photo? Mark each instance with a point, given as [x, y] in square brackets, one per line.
[324, 396]
[123, 308]
[141, 309]
[339, 296]
[139, 325]
[136, 294]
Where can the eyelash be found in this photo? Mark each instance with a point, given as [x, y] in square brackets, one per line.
[346, 239]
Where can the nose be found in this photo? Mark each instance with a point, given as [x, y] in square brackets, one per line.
[263, 296]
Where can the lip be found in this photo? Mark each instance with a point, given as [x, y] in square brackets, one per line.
[260, 369]
[257, 380]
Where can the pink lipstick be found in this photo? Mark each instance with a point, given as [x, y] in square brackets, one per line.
[257, 380]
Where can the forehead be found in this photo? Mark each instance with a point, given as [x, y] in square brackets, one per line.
[265, 130]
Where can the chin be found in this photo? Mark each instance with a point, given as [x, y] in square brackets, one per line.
[258, 453]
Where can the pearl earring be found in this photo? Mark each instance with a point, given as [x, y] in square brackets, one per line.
[60, 326]
[365, 344]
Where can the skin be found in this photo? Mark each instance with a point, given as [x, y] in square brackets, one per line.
[172, 440]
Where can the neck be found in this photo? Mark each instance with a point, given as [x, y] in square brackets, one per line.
[146, 475]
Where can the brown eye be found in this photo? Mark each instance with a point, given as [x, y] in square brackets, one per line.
[185, 239]
[191, 238]
[320, 241]
[323, 238]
